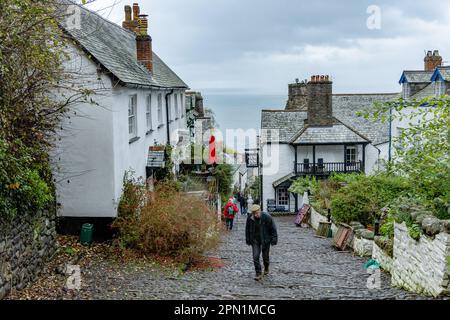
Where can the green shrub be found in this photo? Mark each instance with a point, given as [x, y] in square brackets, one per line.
[22, 187]
[402, 209]
[224, 176]
[362, 198]
[301, 185]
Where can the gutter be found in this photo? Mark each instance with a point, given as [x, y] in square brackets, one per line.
[167, 115]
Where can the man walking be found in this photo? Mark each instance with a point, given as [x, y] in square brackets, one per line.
[260, 233]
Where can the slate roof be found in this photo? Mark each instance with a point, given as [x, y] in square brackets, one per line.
[425, 92]
[345, 109]
[115, 49]
[441, 72]
[287, 123]
[416, 76]
[338, 133]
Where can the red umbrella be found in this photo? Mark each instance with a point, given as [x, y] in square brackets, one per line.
[212, 150]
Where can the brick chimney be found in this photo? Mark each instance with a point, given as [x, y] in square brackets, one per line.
[319, 101]
[130, 23]
[432, 60]
[139, 25]
[297, 96]
[144, 43]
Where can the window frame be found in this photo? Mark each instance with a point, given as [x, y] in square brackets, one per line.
[132, 116]
[351, 151]
[177, 110]
[183, 107]
[439, 88]
[160, 110]
[283, 200]
[148, 113]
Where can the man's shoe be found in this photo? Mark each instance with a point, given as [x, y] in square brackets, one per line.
[258, 277]
[266, 270]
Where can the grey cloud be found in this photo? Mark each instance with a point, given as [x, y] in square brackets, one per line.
[203, 39]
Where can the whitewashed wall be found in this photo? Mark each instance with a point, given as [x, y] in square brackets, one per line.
[278, 161]
[421, 266]
[95, 152]
[375, 156]
[385, 261]
[83, 159]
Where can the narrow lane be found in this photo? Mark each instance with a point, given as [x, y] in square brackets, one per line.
[303, 267]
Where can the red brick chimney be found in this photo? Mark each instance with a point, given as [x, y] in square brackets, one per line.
[144, 43]
[139, 25]
[432, 60]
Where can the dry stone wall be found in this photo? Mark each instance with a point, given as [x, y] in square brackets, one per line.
[25, 244]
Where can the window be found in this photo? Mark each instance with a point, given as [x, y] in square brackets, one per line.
[350, 154]
[132, 116]
[406, 90]
[148, 113]
[160, 109]
[439, 88]
[183, 107]
[283, 196]
[177, 114]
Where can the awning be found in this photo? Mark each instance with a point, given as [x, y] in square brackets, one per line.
[284, 180]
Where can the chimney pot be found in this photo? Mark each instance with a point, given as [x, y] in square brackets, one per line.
[136, 11]
[432, 60]
[143, 25]
[127, 13]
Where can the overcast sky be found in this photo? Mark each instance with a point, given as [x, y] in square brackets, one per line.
[259, 46]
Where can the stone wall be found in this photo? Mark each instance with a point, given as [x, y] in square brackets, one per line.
[385, 261]
[421, 266]
[362, 247]
[25, 244]
[316, 218]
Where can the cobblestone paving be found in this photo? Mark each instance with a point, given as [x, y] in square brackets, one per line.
[302, 267]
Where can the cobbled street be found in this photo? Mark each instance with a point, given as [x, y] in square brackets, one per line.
[302, 267]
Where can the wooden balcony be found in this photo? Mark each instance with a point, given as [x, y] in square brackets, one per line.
[327, 168]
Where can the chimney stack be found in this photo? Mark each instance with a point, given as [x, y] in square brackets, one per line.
[432, 60]
[297, 96]
[144, 43]
[319, 97]
[139, 25]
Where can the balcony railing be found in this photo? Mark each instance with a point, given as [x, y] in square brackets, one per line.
[326, 168]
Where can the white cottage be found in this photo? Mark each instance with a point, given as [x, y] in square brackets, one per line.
[317, 134]
[141, 103]
[432, 81]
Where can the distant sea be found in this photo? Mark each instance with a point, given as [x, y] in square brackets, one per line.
[241, 111]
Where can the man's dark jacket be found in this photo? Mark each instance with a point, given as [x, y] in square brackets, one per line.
[269, 234]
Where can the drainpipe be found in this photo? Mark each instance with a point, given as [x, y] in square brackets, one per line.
[167, 115]
[378, 162]
[390, 135]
